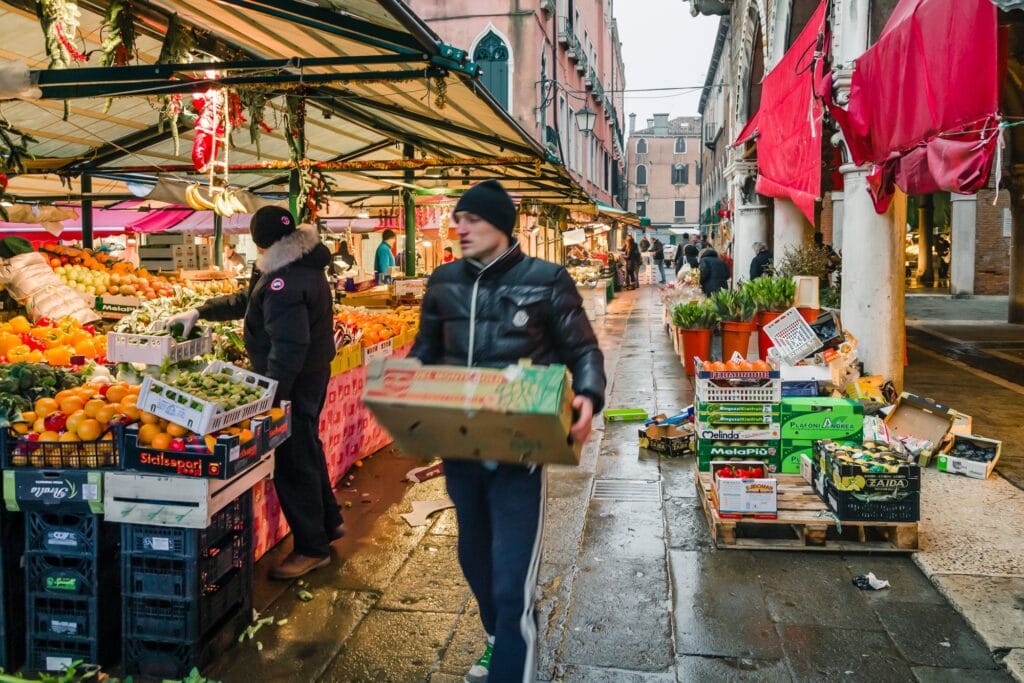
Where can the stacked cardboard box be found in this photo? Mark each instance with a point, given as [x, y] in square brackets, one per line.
[738, 415]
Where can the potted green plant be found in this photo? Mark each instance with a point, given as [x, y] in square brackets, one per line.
[736, 311]
[697, 321]
[771, 295]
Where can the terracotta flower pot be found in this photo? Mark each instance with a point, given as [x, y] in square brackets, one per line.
[696, 344]
[763, 342]
[809, 314]
[736, 338]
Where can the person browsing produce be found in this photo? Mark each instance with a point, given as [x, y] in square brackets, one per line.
[492, 308]
[289, 337]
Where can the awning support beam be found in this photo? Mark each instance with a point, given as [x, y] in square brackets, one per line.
[150, 72]
[162, 86]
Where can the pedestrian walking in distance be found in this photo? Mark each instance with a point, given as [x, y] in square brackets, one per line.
[658, 252]
[761, 264]
[492, 308]
[289, 337]
[714, 273]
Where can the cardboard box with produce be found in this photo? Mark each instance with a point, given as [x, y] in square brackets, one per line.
[971, 456]
[667, 439]
[744, 488]
[766, 452]
[520, 414]
[806, 420]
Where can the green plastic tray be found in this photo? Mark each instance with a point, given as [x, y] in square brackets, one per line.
[625, 414]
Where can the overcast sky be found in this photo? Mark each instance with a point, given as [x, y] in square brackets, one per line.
[663, 46]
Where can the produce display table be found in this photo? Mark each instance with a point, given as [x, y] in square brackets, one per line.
[349, 433]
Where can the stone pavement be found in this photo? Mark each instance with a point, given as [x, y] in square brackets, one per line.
[963, 354]
[630, 590]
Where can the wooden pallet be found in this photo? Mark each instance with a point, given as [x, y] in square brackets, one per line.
[803, 524]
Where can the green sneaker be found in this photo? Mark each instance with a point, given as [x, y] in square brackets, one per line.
[478, 672]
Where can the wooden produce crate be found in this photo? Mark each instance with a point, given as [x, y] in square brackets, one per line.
[804, 523]
[188, 502]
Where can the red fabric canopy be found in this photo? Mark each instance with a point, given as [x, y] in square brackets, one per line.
[924, 99]
[788, 124]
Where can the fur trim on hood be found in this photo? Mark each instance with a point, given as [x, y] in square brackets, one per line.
[289, 249]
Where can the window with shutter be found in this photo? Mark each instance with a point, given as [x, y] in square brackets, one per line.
[492, 56]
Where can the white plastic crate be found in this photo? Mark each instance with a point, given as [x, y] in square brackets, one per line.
[377, 351]
[715, 387]
[792, 336]
[123, 347]
[201, 416]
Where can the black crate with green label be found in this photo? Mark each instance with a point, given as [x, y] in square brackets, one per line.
[71, 588]
[44, 490]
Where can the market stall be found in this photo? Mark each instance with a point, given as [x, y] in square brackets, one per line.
[188, 117]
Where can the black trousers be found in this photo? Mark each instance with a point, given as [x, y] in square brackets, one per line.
[300, 471]
[501, 521]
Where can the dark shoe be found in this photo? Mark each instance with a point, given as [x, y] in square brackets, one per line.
[337, 534]
[296, 565]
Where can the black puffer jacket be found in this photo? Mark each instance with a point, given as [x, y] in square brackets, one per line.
[714, 273]
[517, 307]
[289, 316]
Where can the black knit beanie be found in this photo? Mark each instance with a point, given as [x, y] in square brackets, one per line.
[490, 201]
[269, 224]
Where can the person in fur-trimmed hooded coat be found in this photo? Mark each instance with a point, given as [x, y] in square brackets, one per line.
[289, 337]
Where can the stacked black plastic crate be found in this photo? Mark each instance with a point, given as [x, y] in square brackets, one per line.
[12, 585]
[71, 586]
[186, 592]
[70, 554]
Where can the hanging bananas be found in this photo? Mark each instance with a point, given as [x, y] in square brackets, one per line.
[222, 202]
[222, 205]
[196, 200]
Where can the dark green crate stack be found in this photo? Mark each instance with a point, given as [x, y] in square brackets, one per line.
[187, 593]
[71, 588]
[12, 585]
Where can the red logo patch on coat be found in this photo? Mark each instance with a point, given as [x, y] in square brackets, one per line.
[277, 284]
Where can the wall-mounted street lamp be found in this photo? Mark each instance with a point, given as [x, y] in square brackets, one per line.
[585, 119]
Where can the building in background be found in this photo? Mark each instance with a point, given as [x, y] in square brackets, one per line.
[664, 162]
[716, 135]
[551, 66]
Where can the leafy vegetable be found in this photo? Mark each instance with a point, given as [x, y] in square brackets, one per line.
[696, 315]
[733, 305]
[771, 293]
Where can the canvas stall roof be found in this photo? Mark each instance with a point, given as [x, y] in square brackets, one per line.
[400, 84]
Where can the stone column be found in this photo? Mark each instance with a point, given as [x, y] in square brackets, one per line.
[873, 250]
[873, 284]
[837, 220]
[961, 261]
[792, 230]
[750, 217]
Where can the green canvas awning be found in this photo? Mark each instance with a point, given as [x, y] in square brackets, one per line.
[375, 76]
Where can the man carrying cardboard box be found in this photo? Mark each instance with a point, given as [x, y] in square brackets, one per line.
[492, 308]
